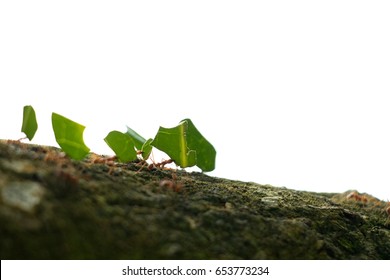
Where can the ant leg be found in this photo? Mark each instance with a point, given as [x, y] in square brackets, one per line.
[143, 164]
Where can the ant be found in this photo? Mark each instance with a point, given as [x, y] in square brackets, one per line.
[109, 161]
[94, 158]
[153, 165]
[368, 200]
[162, 164]
[357, 197]
[171, 184]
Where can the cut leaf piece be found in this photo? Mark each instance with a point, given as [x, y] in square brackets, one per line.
[69, 135]
[205, 152]
[173, 142]
[29, 125]
[138, 139]
[140, 143]
[122, 144]
[147, 148]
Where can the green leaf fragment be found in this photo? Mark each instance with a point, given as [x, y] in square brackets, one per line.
[29, 125]
[138, 139]
[205, 152]
[147, 148]
[69, 135]
[186, 146]
[140, 143]
[173, 142]
[122, 144]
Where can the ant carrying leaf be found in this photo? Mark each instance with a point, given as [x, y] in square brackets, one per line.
[29, 125]
[69, 135]
[122, 144]
[186, 146]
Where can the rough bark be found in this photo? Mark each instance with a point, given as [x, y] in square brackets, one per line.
[52, 207]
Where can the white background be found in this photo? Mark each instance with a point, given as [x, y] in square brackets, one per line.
[290, 93]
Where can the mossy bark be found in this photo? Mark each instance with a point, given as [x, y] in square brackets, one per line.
[52, 207]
